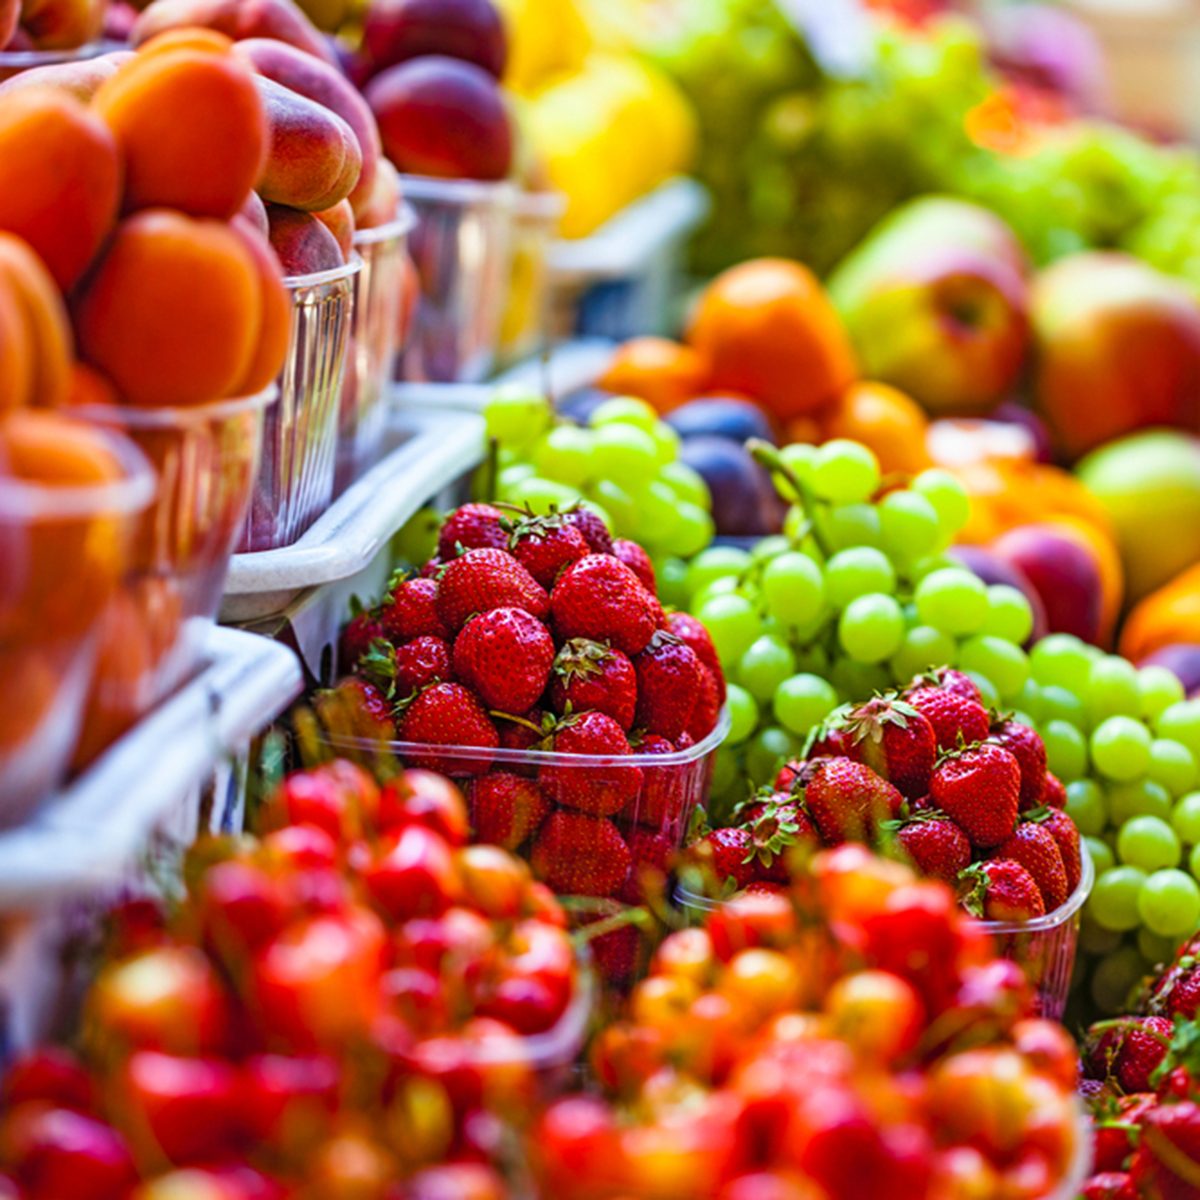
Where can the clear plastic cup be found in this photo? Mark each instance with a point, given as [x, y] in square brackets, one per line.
[523, 326]
[156, 625]
[299, 441]
[64, 551]
[375, 341]
[15, 62]
[460, 249]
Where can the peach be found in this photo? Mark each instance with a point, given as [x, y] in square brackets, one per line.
[172, 311]
[384, 202]
[191, 127]
[70, 178]
[42, 325]
[80, 79]
[255, 212]
[339, 220]
[471, 30]
[276, 323]
[62, 24]
[239, 19]
[318, 81]
[10, 10]
[314, 159]
[438, 116]
[303, 243]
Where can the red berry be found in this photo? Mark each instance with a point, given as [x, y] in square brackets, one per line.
[1027, 747]
[600, 788]
[848, 801]
[472, 527]
[505, 655]
[448, 714]
[482, 580]
[577, 854]
[692, 632]
[422, 661]
[1036, 849]
[545, 545]
[1001, 890]
[895, 741]
[978, 788]
[411, 611]
[599, 597]
[638, 561]
[954, 718]
[593, 675]
[506, 809]
[669, 677]
[936, 846]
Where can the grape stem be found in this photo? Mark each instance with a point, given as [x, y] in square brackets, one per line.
[769, 457]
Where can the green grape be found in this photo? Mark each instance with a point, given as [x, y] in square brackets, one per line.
[857, 572]
[543, 494]
[952, 600]
[687, 484]
[769, 548]
[798, 457]
[515, 416]
[1185, 819]
[743, 714]
[717, 562]
[1057, 704]
[1169, 903]
[624, 454]
[694, 529]
[917, 571]
[1061, 660]
[617, 503]
[624, 410]
[1112, 689]
[844, 472]
[1066, 750]
[768, 750]
[1120, 748]
[1029, 700]
[1194, 861]
[765, 665]
[1158, 688]
[416, 542]
[1115, 977]
[847, 525]
[718, 587]
[658, 513]
[1182, 723]
[793, 588]
[672, 582]
[1086, 806]
[1113, 903]
[667, 442]
[802, 702]
[1005, 664]
[1009, 615]
[1149, 843]
[1142, 797]
[565, 454]
[909, 525]
[923, 647]
[948, 497]
[511, 477]
[813, 660]
[732, 623]
[854, 680]
[1101, 854]
[871, 628]
[1173, 765]
[988, 696]
[725, 774]
[1158, 951]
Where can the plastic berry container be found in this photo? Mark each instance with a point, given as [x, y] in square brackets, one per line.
[523, 325]
[376, 338]
[299, 452]
[154, 631]
[64, 551]
[461, 249]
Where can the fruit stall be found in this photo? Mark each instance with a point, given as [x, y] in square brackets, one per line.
[599, 600]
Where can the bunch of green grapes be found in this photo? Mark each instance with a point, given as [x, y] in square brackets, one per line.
[624, 463]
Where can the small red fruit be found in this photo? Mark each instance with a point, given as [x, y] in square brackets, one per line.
[978, 788]
[506, 809]
[1027, 747]
[638, 561]
[448, 714]
[592, 675]
[669, 678]
[599, 597]
[472, 527]
[1001, 890]
[485, 579]
[580, 855]
[411, 612]
[601, 789]
[505, 655]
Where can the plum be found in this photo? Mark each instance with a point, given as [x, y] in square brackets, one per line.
[1183, 658]
[992, 569]
[721, 416]
[744, 503]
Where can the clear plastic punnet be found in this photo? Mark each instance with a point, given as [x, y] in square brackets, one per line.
[523, 326]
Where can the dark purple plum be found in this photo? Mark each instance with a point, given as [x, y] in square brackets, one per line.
[579, 405]
[721, 416]
[1181, 657]
[744, 502]
[991, 568]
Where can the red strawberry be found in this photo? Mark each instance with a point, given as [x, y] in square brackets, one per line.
[355, 707]
[544, 545]
[1027, 747]
[661, 802]
[692, 632]
[485, 579]
[729, 853]
[1166, 1164]
[1067, 836]
[652, 854]
[895, 741]
[506, 809]
[830, 739]
[952, 716]
[1054, 792]
[638, 561]
[619, 955]
[706, 710]
[592, 675]
[580, 855]
[952, 681]
[775, 827]
[1129, 1050]
[411, 612]
[669, 681]
[523, 732]
[600, 597]
[1001, 890]
[448, 714]
[978, 788]
[598, 788]
[848, 801]
[473, 527]
[1177, 993]
[360, 631]
[1114, 1126]
[936, 845]
[594, 530]
[796, 773]
[418, 663]
[431, 568]
[506, 656]
[1036, 849]
[1109, 1185]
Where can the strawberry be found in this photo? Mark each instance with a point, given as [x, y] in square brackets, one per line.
[1027, 747]
[594, 530]
[356, 638]
[356, 707]
[481, 580]
[448, 714]
[1128, 1050]
[895, 741]
[661, 802]
[506, 809]
[431, 568]
[1001, 890]
[774, 828]
[544, 545]
[830, 739]
[472, 527]
[638, 561]
[848, 801]
[598, 788]
[577, 854]
[669, 679]
[729, 853]
[599, 597]
[1109, 1185]
[952, 681]
[952, 716]
[1166, 1164]
[1036, 849]
[706, 710]
[692, 633]
[1067, 836]
[523, 732]
[505, 655]
[1114, 1125]
[1054, 792]
[936, 846]
[978, 787]
[1177, 993]
[411, 612]
[796, 773]
[418, 663]
[592, 675]
[652, 854]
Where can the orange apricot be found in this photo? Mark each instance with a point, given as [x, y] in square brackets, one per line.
[276, 322]
[43, 322]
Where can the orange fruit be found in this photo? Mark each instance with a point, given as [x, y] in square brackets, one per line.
[657, 370]
[769, 331]
[885, 419]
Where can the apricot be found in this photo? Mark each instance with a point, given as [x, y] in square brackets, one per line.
[80, 79]
[42, 324]
[172, 312]
[69, 172]
[10, 11]
[88, 387]
[339, 220]
[314, 158]
[304, 244]
[191, 126]
[276, 323]
[62, 24]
